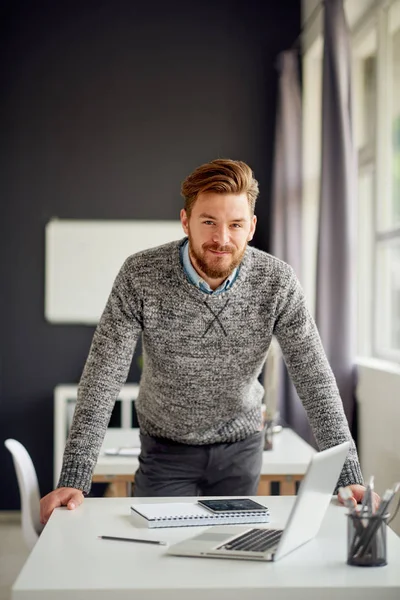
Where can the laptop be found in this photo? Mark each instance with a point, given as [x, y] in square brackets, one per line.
[269, 544]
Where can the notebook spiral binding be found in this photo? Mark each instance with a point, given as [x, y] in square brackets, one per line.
[213, 515]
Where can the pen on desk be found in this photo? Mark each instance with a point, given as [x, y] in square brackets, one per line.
[123, 539]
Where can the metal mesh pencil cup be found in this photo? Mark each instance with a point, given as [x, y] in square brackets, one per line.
[366, 540]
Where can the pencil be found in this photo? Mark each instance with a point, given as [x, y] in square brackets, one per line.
[140, 541]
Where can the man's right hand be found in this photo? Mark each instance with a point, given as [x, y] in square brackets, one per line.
[65, 496]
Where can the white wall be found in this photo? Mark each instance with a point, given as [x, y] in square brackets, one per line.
[378, 399]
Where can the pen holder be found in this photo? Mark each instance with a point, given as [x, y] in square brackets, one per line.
[366, 540]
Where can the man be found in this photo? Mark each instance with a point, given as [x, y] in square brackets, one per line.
[206, 308]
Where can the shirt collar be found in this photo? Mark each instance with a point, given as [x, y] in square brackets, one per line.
[198, 281]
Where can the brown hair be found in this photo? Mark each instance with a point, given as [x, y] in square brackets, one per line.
[223, 176]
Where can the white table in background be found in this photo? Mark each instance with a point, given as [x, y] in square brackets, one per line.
[65, 396]
[70, 562]
[286, 462]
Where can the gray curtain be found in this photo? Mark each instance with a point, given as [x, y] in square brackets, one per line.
[286, 203]
[287, 176]
[335, 278]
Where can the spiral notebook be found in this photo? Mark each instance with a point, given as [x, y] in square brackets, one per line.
[185, 514]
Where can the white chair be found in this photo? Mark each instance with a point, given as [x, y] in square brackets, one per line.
[29, 492]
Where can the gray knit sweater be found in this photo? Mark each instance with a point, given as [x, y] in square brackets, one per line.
[202, 358]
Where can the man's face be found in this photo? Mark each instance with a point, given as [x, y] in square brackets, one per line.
[219, 227]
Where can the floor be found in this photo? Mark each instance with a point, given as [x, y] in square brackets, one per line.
[13, 552]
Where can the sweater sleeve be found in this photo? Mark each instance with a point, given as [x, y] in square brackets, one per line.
[312, 376]
[104, 374]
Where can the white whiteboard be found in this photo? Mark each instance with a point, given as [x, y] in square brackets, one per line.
[84, 257]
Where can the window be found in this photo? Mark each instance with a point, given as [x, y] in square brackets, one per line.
[364, 112]
[375, 34]
[388, 215]
[377, 132]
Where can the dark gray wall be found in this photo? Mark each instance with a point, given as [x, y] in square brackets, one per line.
[105, 108]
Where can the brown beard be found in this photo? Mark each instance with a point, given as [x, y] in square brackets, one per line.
[213, 271]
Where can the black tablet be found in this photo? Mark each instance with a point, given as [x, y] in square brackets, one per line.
[230, 505]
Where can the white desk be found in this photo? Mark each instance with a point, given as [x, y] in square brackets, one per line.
[69, 562]
[286, 462]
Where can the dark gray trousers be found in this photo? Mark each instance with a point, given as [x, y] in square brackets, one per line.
[168, 468]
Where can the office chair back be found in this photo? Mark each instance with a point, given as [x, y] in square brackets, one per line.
[29, 492]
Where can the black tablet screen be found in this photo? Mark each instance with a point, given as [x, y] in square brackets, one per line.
[232, 505]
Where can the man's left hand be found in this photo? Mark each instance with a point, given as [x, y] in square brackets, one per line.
[358, 494]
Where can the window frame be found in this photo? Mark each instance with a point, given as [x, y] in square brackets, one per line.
[371, 311]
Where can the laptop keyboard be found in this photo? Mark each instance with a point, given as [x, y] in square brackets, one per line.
[254, 540]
